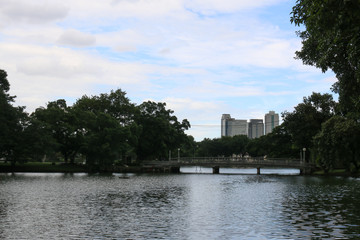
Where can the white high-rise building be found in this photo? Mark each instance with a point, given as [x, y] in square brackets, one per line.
[256, 128]
[271, 121]
[231, 126]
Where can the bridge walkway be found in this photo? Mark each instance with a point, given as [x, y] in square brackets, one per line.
[173, 165]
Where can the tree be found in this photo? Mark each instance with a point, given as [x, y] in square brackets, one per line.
[305, 121]
[63, 124]
[224, 146]
[160, 131]
[331, 40]
[113, 111]
[338, 144]
[280, 144]
[116, 104]
[12, 120]
[104, 140]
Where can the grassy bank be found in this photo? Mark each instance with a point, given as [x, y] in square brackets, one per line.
[42, 167]
[337, 172]
[48, 167]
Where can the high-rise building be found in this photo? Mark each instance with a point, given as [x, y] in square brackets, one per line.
[271, 121]
[231, 126]
[256, 128]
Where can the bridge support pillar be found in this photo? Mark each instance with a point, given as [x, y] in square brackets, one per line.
[174, 169]
[258, 171]
[216, 170]
[305, 171]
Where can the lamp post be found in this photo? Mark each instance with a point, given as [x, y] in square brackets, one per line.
[304, 149]
[178, 154]
[169, 155]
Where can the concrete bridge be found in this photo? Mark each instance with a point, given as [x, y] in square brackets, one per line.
[216, 163]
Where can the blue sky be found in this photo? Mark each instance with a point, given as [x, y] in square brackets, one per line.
[202, 57]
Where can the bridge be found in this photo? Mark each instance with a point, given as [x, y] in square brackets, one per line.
[173, 165]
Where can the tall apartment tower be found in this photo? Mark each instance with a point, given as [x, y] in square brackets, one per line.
[271, 121]
[256, 128]
[231, 126]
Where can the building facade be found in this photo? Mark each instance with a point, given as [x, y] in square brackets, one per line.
[271, 121]
[231, 127]
[256, 128]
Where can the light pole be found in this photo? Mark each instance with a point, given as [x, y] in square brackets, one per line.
[304, 149]
[178, 154]
[169, 155]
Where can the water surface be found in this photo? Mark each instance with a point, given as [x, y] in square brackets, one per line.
[178, 206]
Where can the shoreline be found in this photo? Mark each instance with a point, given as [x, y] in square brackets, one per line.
[75, 168]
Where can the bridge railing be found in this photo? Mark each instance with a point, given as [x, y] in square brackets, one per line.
[239, 160]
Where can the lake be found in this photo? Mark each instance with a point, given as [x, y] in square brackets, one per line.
[178, 206]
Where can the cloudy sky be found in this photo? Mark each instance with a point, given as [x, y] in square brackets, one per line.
[202, 57]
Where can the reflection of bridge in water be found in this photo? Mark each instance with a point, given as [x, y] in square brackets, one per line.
[229, 162]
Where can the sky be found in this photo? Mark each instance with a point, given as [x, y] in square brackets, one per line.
[203, 58]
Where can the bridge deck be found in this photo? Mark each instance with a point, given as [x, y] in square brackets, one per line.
[232, 162]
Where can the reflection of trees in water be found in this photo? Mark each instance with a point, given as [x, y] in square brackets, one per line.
[323, 208]
[3, 216]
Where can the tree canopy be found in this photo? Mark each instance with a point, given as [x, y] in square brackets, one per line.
[331, 40]
[12, 121]
[101, 130]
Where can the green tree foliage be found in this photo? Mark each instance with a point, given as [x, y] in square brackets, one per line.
[61, 122]
[12, 121]
[109, 130]
[116, 104]
[188, 148]
[224, 146]
[331, 40]
[277, 144]
[338, 144]
[160, 131]
[104, 140]
[305, 121]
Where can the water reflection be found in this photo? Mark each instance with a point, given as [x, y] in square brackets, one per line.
[183, 206]
[324, 207]
[264, 171]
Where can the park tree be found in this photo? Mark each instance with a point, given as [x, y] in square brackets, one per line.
[233, 145]
[109, 130]
[104, 140]
[257, 147]
[338, 144]
[116, 104]
[331, 40]
[40, 140]
[279, 144]
[62, 123]
[224, 146]
[161, 131]
[12, 124]
[305, 121]
[188, 148]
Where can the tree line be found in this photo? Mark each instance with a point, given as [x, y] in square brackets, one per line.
[99, 130]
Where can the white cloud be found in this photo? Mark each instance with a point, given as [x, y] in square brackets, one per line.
[209, 7]
[76, 38]
[37, 73]
[39, 12]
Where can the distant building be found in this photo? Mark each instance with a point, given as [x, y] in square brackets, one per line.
[271, 121]
[256, 128]
[231, 126]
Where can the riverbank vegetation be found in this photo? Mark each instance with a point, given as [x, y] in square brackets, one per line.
[102, 131]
